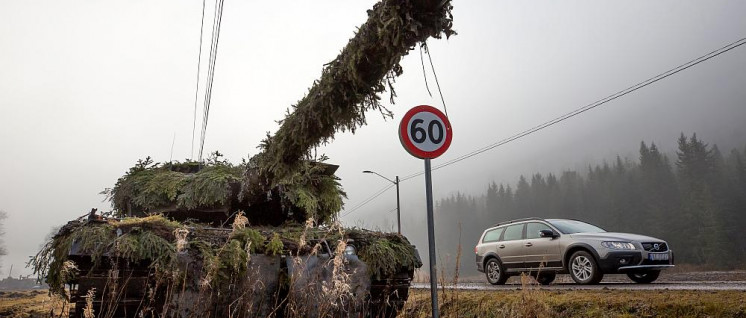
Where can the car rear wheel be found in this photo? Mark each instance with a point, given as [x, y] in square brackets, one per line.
[545, 278]
[495, 272]
[644, 277]
[583, 268]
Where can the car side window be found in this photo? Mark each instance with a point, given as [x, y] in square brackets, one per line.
[513, 232]
[533, 228]
[493, 235]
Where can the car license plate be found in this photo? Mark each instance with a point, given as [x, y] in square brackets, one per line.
[658, 257]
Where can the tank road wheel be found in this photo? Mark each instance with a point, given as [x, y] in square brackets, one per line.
[583, 268]
[646, 277]
[495, 272]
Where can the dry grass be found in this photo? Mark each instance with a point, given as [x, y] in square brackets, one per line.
[535, 302]
[88, 310]
[37, 303]
[529, 301]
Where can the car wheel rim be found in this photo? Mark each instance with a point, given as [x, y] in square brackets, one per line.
[582, 268]
[493, 271]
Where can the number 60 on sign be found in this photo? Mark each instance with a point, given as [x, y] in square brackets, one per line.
[425, 132]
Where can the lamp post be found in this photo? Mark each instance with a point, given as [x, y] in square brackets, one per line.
[398, 210]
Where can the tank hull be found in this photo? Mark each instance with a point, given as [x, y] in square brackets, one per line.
[318, 278]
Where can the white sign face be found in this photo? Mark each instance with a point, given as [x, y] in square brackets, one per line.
[426, 131]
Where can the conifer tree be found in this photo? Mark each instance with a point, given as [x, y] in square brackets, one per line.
[704, 239]
[523, 204]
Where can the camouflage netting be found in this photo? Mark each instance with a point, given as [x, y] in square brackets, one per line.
[215, 267]
[350, 84]
[182, 190]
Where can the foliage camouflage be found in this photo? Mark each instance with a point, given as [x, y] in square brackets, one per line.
[310, 187]
[222, 252]
[97, 239]
[150, 187]
[350, 84]
[384, 253]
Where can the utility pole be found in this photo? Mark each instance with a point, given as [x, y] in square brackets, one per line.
[398, 210]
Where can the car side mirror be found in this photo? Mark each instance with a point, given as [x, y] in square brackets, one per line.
[547, 233]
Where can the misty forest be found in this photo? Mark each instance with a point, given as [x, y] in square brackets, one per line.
[696, 201]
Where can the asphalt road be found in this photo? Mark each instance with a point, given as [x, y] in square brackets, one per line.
[682, 285]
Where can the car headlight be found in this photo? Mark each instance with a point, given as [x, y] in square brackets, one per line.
[618, 245]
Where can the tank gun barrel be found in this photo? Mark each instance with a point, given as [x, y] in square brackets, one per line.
[350, 84]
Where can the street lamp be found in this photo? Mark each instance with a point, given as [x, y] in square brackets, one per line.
[398, 211]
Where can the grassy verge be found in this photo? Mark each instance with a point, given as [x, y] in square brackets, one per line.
[23, 304]
[527, 302]
[533, 302]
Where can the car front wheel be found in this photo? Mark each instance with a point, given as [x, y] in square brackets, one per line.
[644, 277]
[494, 271]
[583, 268]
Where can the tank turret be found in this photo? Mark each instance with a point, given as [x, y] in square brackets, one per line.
[214, 191]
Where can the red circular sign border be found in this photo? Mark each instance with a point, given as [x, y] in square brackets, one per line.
[410, 147]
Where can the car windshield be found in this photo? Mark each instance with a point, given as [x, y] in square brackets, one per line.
[572, 226]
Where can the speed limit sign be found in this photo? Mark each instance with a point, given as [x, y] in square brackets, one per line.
[425, 132]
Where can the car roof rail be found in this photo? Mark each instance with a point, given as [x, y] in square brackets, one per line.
[518, 220]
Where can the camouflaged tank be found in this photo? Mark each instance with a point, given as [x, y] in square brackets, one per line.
[258, 239]
[190, 240]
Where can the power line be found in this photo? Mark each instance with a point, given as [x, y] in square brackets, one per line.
[218, 17]
[199, 63]
[424, 74]
[368, 200]
[588, 107]
[427, 50]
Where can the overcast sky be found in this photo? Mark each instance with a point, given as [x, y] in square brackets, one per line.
[89, 87]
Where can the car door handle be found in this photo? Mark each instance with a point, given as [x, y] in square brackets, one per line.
[501, 246]
[529, 244]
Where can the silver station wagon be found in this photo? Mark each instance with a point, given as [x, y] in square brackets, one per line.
[547, 247]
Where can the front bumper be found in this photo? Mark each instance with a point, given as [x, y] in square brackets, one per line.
[630, 261]
[644, 267]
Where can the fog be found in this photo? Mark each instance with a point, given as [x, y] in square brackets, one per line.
[87, 88]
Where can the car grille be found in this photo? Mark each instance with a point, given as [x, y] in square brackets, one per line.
[651, 246]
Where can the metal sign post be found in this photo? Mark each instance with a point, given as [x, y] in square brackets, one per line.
[425, 133]
[431, 238]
